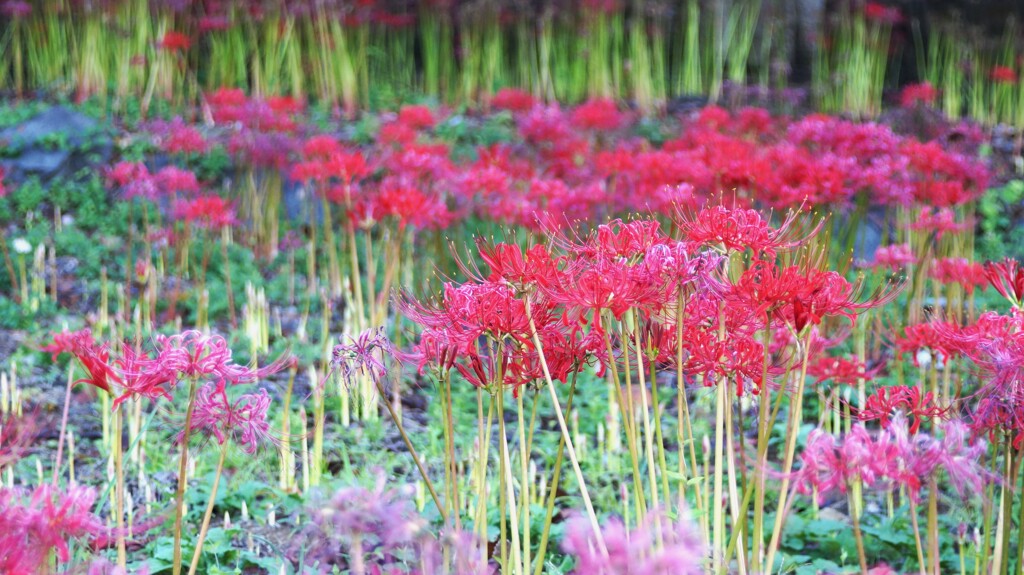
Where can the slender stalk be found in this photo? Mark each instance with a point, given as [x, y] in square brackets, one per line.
[412, 451]
[63, 424]
[209, 510]
[792, 430]
[718, 520]
[565, 434]
[553, 488]
[917, 537]
[122, 554]
[857, 535]
[179, 505]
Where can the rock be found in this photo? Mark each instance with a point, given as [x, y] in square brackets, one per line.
[57, 142]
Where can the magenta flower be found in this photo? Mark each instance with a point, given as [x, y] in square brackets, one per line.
[365, 355]
[636, 552]
[37, 526]
[244, 421]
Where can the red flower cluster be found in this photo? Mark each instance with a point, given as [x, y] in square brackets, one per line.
[567, 295]
[175, 41]
[914, 94]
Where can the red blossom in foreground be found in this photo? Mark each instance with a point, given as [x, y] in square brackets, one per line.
[3, 174]
[893, 458]
[1007, 277]
[658, 546]
[37, 526]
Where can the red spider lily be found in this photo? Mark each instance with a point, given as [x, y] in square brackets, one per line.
[69, 342]
[36, 527]
[173, 180]
[320, 147]
[960, 271]
[942, 221]
[513, 100]
[895, 457]
[894, 257]
[914, 94]
[410, 207]
[16, 436]
[212, 212]
[183, 139]
[348, 167]
[606, 284]
[244, 420]
[739, 357]
[1007, 277]
[95, 359]
[738, 229]
[907, 400]
[882, 14]
[360, 357]
[175, 41]
[141, 376]
[397, 134]
[191, 354]
[467, 312]
[598, 115]
[934, 337]
[416, 117]
[1000, 416]
[134, 180]
[509, 263]
[840, 370]
[1003, 75]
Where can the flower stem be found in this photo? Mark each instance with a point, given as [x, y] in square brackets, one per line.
[553, 488]
[565, 434]
[857, 535]
[122, 554]
[182, 478]
[412, 451]
[209, 510]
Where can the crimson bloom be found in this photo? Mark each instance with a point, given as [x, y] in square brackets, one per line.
[1007, 277]
[175, 41]
[887, 401]
[243, 420]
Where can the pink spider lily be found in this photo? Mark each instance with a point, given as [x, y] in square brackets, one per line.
[244, 420]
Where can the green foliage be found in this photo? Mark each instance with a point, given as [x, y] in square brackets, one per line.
[999, 211]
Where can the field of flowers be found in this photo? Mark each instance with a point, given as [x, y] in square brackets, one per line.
[485, 332]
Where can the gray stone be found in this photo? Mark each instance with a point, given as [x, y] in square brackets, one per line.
[56, 142]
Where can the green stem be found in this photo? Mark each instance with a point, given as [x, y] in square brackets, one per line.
[209, 510]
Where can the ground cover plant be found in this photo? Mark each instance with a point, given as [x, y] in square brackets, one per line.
[246, 332]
